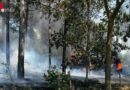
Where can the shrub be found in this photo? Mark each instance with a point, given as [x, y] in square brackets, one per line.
[57, 80]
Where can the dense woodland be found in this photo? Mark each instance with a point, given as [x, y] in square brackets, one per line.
[91, 28]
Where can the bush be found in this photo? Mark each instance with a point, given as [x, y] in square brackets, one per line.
[57, 80]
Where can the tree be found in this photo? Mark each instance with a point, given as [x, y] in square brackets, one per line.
[49, 8]
[21, 39]
[7, 13]
[90, 26]
[8, 35]
[64, 48]
[111, 17]
[73, 13]
[49, 27]
[88, 40]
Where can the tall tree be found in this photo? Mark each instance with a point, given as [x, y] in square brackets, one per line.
[21, 38]
[91, 12]
[111, 14]
[8, 38]
[64, 48]
[88, 40]
[49, 32]
[8, 35]
[72, 22]
[49, 9]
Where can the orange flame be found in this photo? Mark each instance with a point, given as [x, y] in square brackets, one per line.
[119, 66]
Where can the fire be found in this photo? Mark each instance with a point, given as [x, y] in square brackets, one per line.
[119, 66]
[74, 56]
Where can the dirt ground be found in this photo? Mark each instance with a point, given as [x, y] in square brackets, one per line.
[77, 84]
[99, 83]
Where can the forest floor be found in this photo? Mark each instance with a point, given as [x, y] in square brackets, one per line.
[93, 85]
[99, 83]
[78, 83]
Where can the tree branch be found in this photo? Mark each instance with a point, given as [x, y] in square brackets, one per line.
[107, 8]
[118, 6]
[117, 1]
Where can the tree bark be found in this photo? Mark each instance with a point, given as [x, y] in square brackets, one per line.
[21, 39]
[108, 55]
[49, 18]
[111, 16]
[8, 36]
[8, 39]
[27, 13]
[63, 60]
[64, 50]
[88, 42]
[87, 68]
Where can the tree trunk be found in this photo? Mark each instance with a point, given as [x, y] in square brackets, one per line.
[108, 55]
[21, 39]
[49, 18]
[63, 60]
[26, 27]
[27, 12]
[87, 68]
[64, 50]
[88, 42]
[111, 17]
[7, 37]
[49, 54]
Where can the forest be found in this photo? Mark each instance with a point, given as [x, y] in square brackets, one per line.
[64, 45]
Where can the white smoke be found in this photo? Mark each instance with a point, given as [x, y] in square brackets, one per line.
[36, 51]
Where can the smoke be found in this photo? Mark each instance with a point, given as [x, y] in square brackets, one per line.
[36, 50]
[125, 57]
[92, 74]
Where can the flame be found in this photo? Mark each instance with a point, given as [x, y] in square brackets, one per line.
[73, 57]
[119, 66]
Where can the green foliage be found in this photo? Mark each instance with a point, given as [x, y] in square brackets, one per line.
[73, 12]
[127, 35]
[57, 80]
[121, 28]
[58, 39]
